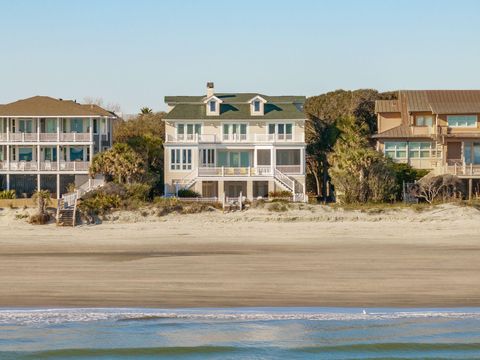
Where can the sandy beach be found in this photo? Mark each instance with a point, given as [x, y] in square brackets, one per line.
[311, 257]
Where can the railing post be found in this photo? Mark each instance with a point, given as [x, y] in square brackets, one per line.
[471, 169]
[223, 171]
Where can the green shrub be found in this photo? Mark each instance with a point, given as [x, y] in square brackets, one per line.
[39, 219]
[280, 194]
[278, 206]
[187, 193]
[99, 204]
[8, 194]
[138, 191]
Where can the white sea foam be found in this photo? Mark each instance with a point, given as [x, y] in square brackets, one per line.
[58, 316]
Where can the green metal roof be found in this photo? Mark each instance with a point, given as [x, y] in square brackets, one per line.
[236, 106]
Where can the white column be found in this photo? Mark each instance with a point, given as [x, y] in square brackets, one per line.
[255, 158]
[8, 157]
[38, 129]
[38, 182]
[8, 129]
[58, 129]
[58, 184]
[58, 157]
[302, 161]
[38, 157]
[272, 158]
[8, 181]
[91, 140]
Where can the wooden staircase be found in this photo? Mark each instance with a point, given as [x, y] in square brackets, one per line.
[66, 213]
[67, 205]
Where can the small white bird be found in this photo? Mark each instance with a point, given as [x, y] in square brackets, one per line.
[364, 312]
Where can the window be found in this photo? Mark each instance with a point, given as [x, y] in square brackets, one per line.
[25, 125]
[50, 154]
[396, 150]
[213, 106]
[208, 157]
[233, 158]
[256, 106]
[424, 120]
[188, 131]
[181, 159]
[76, 154]
[419, 150]
[95, 126]
[281, 131]
[25, 154]
[76, 125]
[288, 157]
[462, 120]
[234, 131]
[50, 126]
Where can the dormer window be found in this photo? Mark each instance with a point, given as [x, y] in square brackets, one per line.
[257, 106]
[213, 105]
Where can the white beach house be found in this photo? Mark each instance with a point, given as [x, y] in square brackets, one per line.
[48, 143]
[232, 143]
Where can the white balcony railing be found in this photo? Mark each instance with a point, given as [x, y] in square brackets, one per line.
[44, 166]
[235, 138]
[45, 137]
[74, 137]
[247, 171]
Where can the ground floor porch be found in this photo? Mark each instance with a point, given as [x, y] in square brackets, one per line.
[254, 187]
[26, 184]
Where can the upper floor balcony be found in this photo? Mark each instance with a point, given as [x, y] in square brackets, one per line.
[33, 137]
[235, 138]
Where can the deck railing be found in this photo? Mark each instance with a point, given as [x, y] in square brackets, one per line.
[236, 138]
[44, 166]
[44, 137]
[247, 171]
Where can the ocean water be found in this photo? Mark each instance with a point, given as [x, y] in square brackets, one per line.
[246, 333]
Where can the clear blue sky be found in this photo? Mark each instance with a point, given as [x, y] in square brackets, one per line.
[135, 52]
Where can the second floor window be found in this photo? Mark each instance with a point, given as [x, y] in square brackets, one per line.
[188, 131]
[462, 120]
[76, 125]
[234, 131]
[25, 125]
[281, 131]
[424, 120]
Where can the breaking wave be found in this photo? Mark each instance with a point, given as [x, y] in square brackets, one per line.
[58, 316]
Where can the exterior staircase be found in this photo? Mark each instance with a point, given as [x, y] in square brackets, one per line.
[290, 184]
[66, 214]
[67, 205]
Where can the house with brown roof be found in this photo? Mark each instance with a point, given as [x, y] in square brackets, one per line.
[432, 129]
[48, 143]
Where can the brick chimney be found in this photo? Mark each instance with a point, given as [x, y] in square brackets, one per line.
[210, 89]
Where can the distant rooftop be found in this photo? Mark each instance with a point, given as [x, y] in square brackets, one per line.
[39, 106]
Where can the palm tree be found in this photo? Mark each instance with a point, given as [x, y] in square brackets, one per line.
[120, 162]
[146, 110]
[42, 198]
